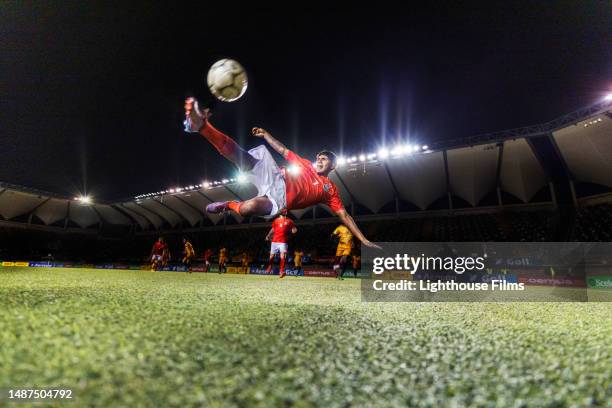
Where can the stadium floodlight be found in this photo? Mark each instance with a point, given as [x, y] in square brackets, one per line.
[341, 161]
[608, 97]
[241, 178]
[362, 157]
[354, 159]
[397, 151]
[225, 181]
[407, 149]
[383, 153]
[425, 147]
[371, 156]
[85, 199]
[171, 190]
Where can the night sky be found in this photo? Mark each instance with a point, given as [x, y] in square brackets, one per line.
[91, 93]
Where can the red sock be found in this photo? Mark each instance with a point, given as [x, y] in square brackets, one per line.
[282, 265]
[223, 143]
[234, 206]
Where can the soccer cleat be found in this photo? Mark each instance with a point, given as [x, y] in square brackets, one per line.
[281, 274]
[195, 119]
[217, 208]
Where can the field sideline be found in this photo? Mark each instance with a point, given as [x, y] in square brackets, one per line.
[139, 338]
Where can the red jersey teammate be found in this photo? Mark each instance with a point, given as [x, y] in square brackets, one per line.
[307, 185]
[157, 252]
[279, 234]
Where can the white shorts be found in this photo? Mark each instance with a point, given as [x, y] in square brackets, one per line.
[278, 248]
[267, 177]
[156, 258]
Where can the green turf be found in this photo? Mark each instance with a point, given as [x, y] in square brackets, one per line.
[137, 338]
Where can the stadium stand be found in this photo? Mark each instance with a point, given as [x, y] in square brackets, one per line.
[527, 184]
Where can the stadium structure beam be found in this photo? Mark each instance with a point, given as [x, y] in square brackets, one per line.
[101, 219]
[346, 188]
[541, 129]
[568, 172]
[127, 214]
[3, 190]
[193, 207]
[449, 192]
[205, 196]
[500, 158]
[232, 192]
[33, 210]
[390, 177]
[67, 218]
[142, 215]
[148, 209]
[181, 216]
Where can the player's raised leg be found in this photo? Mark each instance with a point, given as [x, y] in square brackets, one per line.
[196, 120]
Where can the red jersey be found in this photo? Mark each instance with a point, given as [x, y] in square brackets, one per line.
[208, 254]
[158, 248]
[281, 227]
[306, 187]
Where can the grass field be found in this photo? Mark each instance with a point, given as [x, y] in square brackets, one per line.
[137, 338]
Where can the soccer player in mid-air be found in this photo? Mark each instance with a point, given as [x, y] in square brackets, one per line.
[345, 246]
[282, 226]
[276, 189]
[189, 254]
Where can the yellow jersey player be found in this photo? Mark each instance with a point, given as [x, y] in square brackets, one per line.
[189, 254]
[297, 260]
[222, 259]
[244, 260]
[345, 246]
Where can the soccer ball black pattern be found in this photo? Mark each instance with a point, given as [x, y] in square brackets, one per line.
[227, 80]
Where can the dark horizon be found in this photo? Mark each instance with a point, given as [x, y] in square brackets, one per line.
[93, 94]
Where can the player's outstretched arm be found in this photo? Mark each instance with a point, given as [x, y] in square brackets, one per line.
[275, 144]
[350, 224]
[269, 236]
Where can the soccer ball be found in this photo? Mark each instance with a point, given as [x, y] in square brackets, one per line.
[227, 80]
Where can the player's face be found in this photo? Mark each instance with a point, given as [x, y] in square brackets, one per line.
[323, 165]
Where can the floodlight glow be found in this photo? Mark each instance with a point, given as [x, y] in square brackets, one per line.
[225, 181]
[85, 200]
[397, 150]
[241, 178]
[371, 156]
[341, 161]
[608, 97]
[206, 184]
[425, 147]
[383, 153]
[362, 157]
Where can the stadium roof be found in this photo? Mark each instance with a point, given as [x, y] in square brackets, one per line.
[501, 162]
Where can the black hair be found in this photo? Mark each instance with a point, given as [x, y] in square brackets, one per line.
[330, 155]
